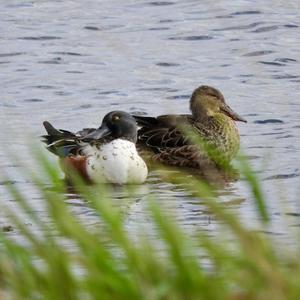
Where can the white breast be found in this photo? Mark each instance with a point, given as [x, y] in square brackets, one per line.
[116, 162]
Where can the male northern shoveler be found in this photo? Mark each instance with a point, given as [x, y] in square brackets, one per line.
[107, 154]
[212, 120]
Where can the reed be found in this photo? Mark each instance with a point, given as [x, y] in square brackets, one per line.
[68, 259]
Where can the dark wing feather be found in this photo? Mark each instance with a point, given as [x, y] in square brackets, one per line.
[54, 134]
[162, 132]
[146, 121]
[84, 132]
[161, 121]
[163, 136]
[190, 156]
[60, 142]
[50, 129]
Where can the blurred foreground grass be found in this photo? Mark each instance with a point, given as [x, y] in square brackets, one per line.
[106, 263]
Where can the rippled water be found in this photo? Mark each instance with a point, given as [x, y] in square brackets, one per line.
[70, 62]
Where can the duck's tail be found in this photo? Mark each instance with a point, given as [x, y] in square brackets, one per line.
[60, 142]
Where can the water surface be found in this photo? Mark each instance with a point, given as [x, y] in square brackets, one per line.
[70, 62]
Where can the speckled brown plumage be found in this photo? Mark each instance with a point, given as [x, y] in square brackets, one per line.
[212, 121]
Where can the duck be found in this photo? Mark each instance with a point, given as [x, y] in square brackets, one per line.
[106, 154]
[170, 139]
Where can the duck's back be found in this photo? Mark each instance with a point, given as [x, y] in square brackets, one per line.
[163, 136]
[162, 132]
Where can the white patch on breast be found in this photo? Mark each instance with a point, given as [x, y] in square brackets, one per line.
[116, 162]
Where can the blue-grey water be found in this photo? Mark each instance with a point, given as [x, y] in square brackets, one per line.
[72, 61]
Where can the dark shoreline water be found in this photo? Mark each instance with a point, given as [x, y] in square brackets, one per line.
[70, 62]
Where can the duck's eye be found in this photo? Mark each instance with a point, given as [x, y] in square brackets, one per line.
[116, 118]
[212, 95]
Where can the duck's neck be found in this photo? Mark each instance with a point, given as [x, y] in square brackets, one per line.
[200, 114]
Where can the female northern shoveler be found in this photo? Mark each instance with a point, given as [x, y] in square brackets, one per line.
[107, 154]
[212, 120]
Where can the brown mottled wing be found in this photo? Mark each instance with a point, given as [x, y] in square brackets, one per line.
[161, 138]
[161, 121]
[186, 156]
[162, 132]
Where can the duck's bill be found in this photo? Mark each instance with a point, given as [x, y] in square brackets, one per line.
[230, 113]
[97, 134]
